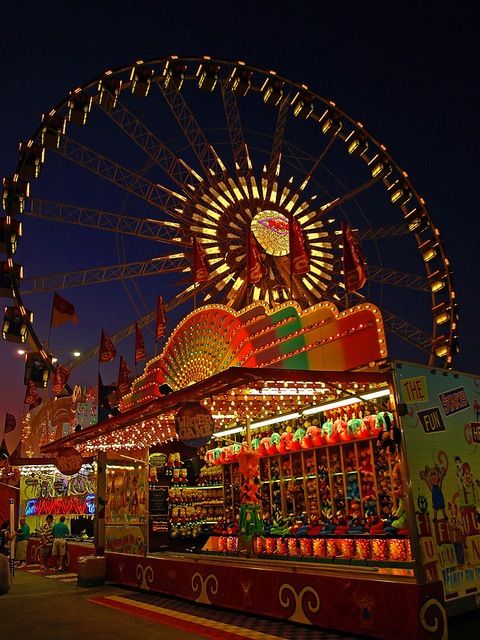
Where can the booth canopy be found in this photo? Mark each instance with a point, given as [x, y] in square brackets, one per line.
[220, 383]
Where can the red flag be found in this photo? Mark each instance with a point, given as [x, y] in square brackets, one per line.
[255, 267]
[161, 324]
[354, 263]
[200, 267]
[60, 378]
[123, 386]
[299, 262]
[107, 350]
[31, 394]
[10, 422]
[139, 345]
[62, 311]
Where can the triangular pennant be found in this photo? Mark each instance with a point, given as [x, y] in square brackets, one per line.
[107, 350]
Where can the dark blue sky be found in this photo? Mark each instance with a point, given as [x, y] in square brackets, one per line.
[407, 70]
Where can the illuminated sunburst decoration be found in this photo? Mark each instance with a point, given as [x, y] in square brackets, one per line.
[226, 212]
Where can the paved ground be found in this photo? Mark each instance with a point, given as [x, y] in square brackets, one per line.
[50, 606]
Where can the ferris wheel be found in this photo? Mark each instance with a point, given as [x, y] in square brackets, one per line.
[133, 172]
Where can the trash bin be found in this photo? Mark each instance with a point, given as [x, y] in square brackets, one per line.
[91, 571]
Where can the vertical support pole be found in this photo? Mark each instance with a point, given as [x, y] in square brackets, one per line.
[100, 495]
[248, 433]
[12, 538]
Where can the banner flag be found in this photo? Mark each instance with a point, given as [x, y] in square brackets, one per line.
[103, 400]
[161, 323]
[299, 262]
[200, 268]
[255, 267]
[123, 386]
[107, 350]
[139, 345]
[62, 311]
[10, 422]
[31, 394]
[60, 378]
[354, 263]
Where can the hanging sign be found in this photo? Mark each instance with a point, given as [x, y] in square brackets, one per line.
[194, 424]
[69, 461]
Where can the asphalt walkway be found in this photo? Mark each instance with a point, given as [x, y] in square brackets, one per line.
[50, 606]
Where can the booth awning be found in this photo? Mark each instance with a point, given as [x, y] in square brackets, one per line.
[219, 383]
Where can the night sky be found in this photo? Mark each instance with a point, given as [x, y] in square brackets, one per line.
[408, 71]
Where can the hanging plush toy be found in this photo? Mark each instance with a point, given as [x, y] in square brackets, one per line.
[389, 435]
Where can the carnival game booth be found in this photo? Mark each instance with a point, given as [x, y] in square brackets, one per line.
[50, 486]
[327, 489]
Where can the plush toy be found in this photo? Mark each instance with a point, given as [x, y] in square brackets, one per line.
[327, 428]
[285, 442]
[274, 443]
[354, 426]
[298, 436]
[389, 434]
[340, 428]
[365, 461]
[255, 443]
[313, 436]
[310, 465]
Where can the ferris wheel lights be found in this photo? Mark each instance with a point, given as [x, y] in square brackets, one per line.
[15, 327]
[109, 87]
[380, 167]
[54, 127]
[416, 221]
[437, 281]
[141, 79]
[428, 250]
[441, 313]
[79, 106]
[331, 123]
[400, 194]
[272, 90]
[173, 74]
[6, 282]
[207, 74]
[302, 104]
[36, 370]
[15, 192]
[357, 144]
[32, 156]
[441, 346]
[10, 231]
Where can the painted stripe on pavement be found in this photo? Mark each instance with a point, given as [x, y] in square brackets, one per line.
[208, 628]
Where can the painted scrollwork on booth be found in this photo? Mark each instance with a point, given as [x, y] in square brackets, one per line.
[299, 614]
[144, 576]
[201, 586]
[433, 619]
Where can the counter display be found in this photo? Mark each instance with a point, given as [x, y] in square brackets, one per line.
[75, 549]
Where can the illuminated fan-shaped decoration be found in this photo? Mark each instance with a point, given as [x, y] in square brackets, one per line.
[215, 337]
[223, 213]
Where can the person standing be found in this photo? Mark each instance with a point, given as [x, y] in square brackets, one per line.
[46, 541]
[5, 538]
[59, 531]
[23, 536]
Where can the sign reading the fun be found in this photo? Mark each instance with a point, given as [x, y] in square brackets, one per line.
[69, 461]
[415, 390]
[194, 424]
[431, 420]
[454, 401]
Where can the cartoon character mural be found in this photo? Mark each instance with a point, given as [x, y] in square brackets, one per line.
[433, 478]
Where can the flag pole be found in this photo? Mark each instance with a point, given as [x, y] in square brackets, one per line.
[290, 247]
[51, 322]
